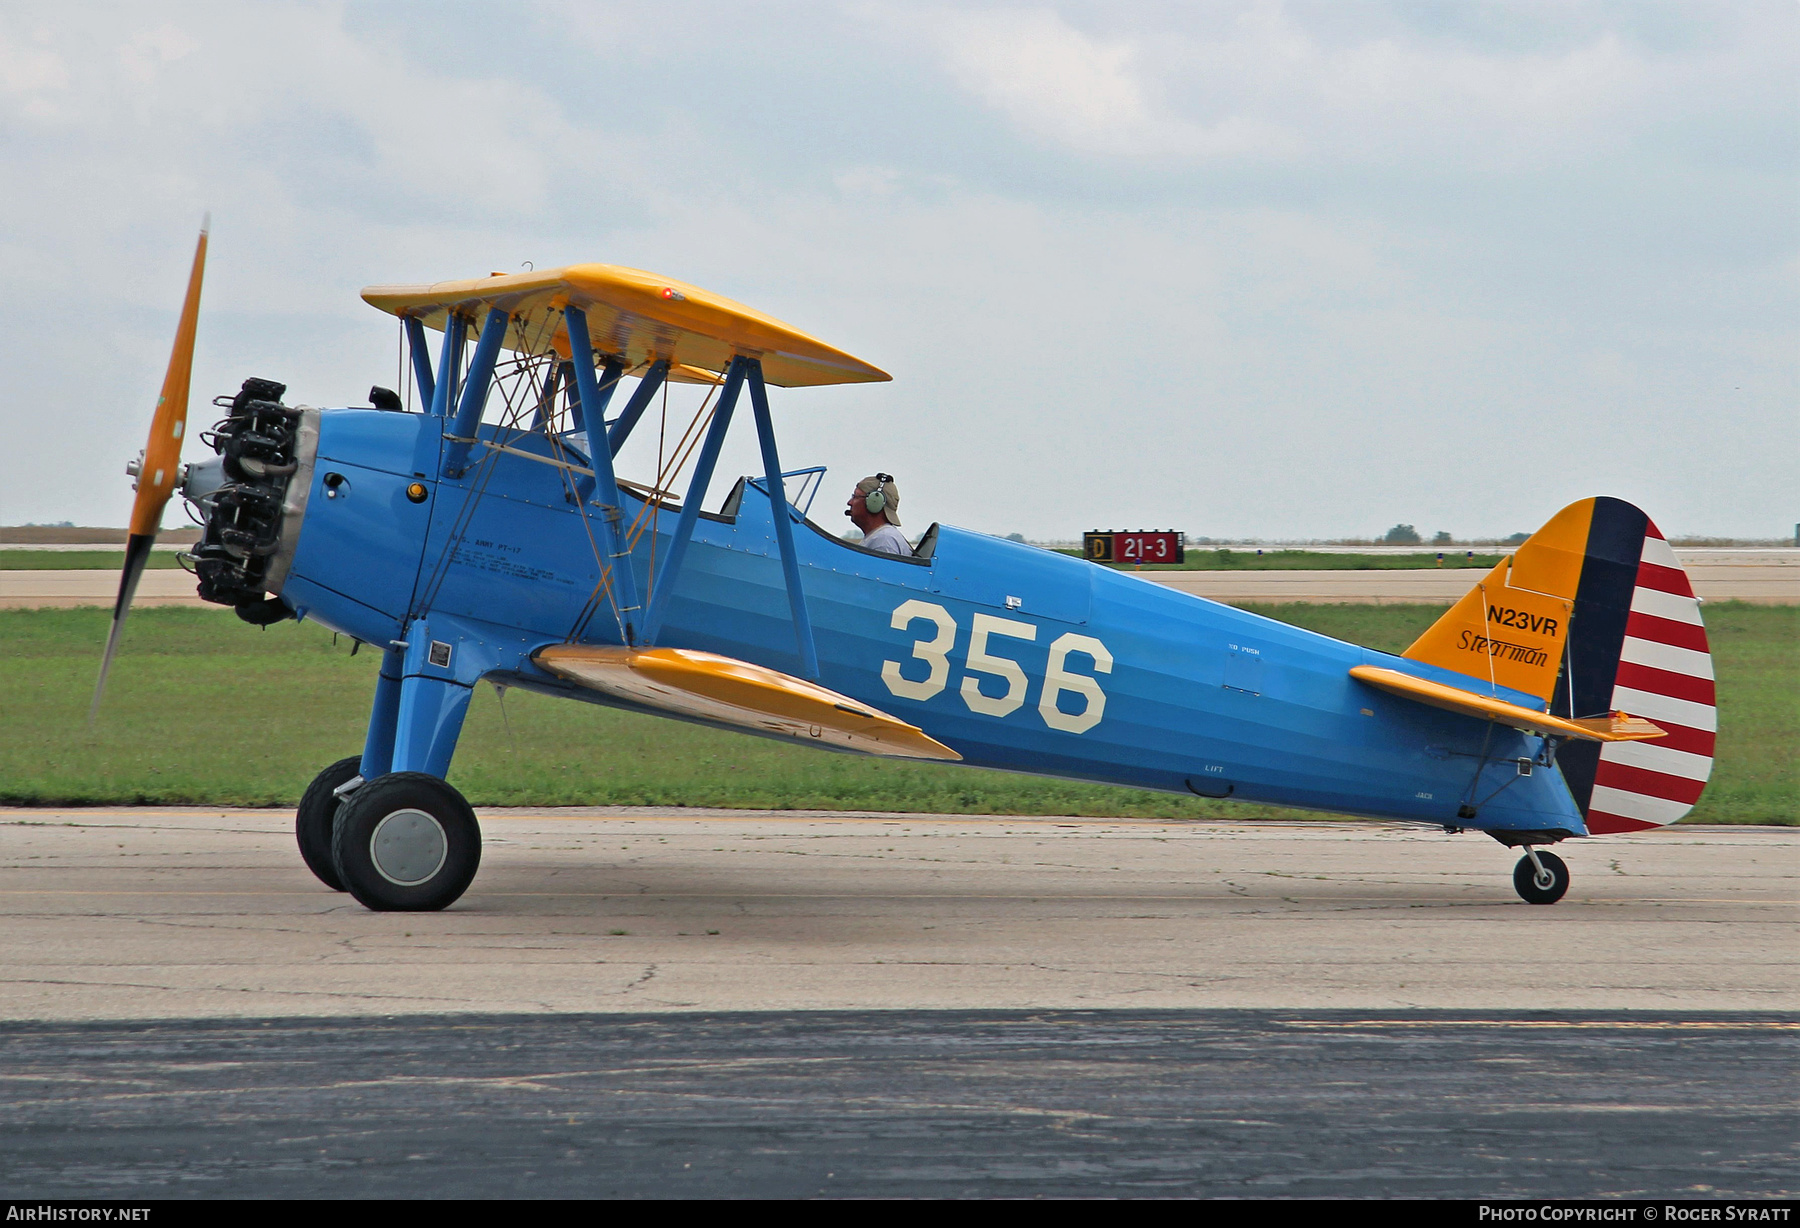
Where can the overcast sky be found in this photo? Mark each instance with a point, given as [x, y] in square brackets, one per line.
[1273, 270]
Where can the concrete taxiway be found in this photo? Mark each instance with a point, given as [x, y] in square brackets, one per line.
[114, 914]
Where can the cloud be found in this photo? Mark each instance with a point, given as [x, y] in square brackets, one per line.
[1087, 93]
[32, 76]
[1046, 74]
[1254, 83]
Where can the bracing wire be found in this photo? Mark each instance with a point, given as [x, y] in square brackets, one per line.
[684, 449]
[667, 470]
[666, 474]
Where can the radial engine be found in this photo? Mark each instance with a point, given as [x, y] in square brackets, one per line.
[248, 499]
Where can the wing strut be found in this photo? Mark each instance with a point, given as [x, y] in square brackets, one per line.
[609, 380]
[461, 432]
[784, 524]
[421, 359]
[605, 485]
[640, 401]
[449, 363]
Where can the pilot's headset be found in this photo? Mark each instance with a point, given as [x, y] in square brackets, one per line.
[879, 500]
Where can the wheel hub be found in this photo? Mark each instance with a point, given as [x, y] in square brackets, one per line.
[408, 847]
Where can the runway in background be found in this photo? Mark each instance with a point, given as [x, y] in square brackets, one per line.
[1764, 576]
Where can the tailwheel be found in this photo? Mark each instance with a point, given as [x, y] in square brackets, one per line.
[406, 842]
[1540, 878]
[318, 811]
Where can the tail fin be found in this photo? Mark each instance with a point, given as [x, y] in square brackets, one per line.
[1593, 614]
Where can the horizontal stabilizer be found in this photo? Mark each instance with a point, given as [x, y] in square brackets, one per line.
[1617, 727]
[706, 686]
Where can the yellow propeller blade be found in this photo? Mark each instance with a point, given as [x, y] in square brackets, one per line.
[162, 454]
[161, 461]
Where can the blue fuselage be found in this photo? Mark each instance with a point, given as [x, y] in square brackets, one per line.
[1016, 657]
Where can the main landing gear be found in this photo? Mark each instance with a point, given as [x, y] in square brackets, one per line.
[1540, 878]
[404, 842]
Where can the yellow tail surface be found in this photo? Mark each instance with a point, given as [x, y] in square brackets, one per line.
[1510, 630]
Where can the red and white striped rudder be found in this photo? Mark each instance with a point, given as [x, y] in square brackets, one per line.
[1665, 673]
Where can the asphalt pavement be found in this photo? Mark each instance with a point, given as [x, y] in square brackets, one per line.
[906, 1104]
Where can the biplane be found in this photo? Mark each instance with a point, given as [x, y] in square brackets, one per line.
[482, 534]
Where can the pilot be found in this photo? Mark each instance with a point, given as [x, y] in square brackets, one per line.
[874, 507]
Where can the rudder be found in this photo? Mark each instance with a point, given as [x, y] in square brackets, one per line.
[1641, 648]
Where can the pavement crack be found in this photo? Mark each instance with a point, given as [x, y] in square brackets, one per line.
[648, 975]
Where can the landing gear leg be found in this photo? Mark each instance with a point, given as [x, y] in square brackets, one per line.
[318, 810]
[1540, 878]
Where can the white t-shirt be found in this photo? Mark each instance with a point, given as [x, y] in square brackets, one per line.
[888, 540]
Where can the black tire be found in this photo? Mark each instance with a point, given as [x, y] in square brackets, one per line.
[406, 842]
[1525, 879]
[314, 820]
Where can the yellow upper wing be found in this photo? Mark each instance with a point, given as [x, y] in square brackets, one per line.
[633, 315]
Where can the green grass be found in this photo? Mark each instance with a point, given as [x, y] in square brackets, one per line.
[78, 560]
[205, 709]
[1306, 560]
[1753, 778]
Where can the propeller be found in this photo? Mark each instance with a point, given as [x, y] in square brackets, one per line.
[158, 464]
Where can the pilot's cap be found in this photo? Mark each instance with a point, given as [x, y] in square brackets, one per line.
[890, 495]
